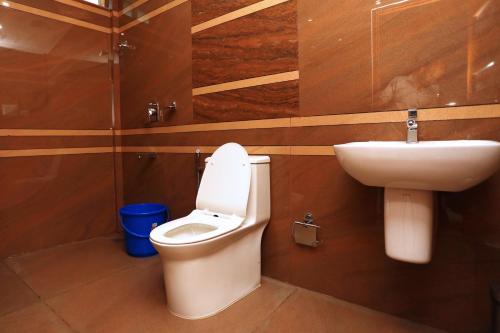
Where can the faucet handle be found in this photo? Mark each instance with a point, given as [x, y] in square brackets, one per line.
[411, 123]
[412, 113]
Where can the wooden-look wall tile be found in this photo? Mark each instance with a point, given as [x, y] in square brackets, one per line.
[449, 60]
[169, 179]
[205, 10]
[33, 142]
[262, 43]
[352, 259]
[349, 216]
[471, 219]
[276, 241]
[260, 102]
[472, 129]
[51, 200]
[250, 137]
[335, 56]
[412, 63]
[158, 69]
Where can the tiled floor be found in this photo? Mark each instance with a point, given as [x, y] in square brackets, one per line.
[93, 286]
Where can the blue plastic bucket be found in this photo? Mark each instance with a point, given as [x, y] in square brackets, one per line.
[137, 221]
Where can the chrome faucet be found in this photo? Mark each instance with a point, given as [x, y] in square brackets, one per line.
[411, 124]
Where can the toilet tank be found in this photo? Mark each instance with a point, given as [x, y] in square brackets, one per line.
[259, 200]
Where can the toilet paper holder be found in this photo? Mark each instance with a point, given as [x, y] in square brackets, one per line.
[306, 232]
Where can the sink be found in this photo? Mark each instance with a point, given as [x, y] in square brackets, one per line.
[410, 172]
[427, 165]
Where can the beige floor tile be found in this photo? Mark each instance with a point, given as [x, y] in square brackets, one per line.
[306, 311]
[14, 293]
[49, 272]
[133, 300]
[34, 318]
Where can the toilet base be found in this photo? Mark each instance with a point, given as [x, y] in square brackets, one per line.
[219, 310]
[202, 279]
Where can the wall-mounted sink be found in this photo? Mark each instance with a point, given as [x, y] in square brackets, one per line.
[409, 172]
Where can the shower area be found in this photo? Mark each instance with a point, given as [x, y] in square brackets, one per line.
[57, 122]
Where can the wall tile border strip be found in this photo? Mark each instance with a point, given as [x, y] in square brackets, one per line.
[453, 113]
[151, 14]
[312, 150]
[226, 126]
[89, 8]
[236, 14]
[272, 150]
[54, 151]
[246, 83]
[56, 17]
[53, 132]
[448, 113]
[255, 150]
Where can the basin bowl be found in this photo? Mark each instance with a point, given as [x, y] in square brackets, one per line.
[427, 165]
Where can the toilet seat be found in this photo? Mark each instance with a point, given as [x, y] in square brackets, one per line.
[225, 185]
[198, 226]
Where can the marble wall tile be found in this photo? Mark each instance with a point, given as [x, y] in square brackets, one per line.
[205, 10]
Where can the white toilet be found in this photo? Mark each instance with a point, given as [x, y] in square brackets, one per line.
[211, 258]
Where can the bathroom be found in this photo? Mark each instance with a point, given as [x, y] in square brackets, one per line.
[107, 103]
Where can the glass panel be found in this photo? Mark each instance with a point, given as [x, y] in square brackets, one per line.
[54, 76]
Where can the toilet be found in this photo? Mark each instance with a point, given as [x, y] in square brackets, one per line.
[211, 258]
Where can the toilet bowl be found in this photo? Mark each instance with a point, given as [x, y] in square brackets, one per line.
[211, 258]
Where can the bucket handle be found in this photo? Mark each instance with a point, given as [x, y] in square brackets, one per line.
[131, 232]
[136, 234]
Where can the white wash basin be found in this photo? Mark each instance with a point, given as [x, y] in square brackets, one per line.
[426, 165]
[409, 172]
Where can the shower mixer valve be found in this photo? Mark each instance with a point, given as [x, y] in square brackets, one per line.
[155, 113]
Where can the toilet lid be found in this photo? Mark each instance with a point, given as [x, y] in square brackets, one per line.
[225, 184]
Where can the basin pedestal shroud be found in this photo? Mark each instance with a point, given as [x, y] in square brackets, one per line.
[408, 224]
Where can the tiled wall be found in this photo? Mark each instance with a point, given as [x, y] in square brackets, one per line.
[56, 142]
[290, 79]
